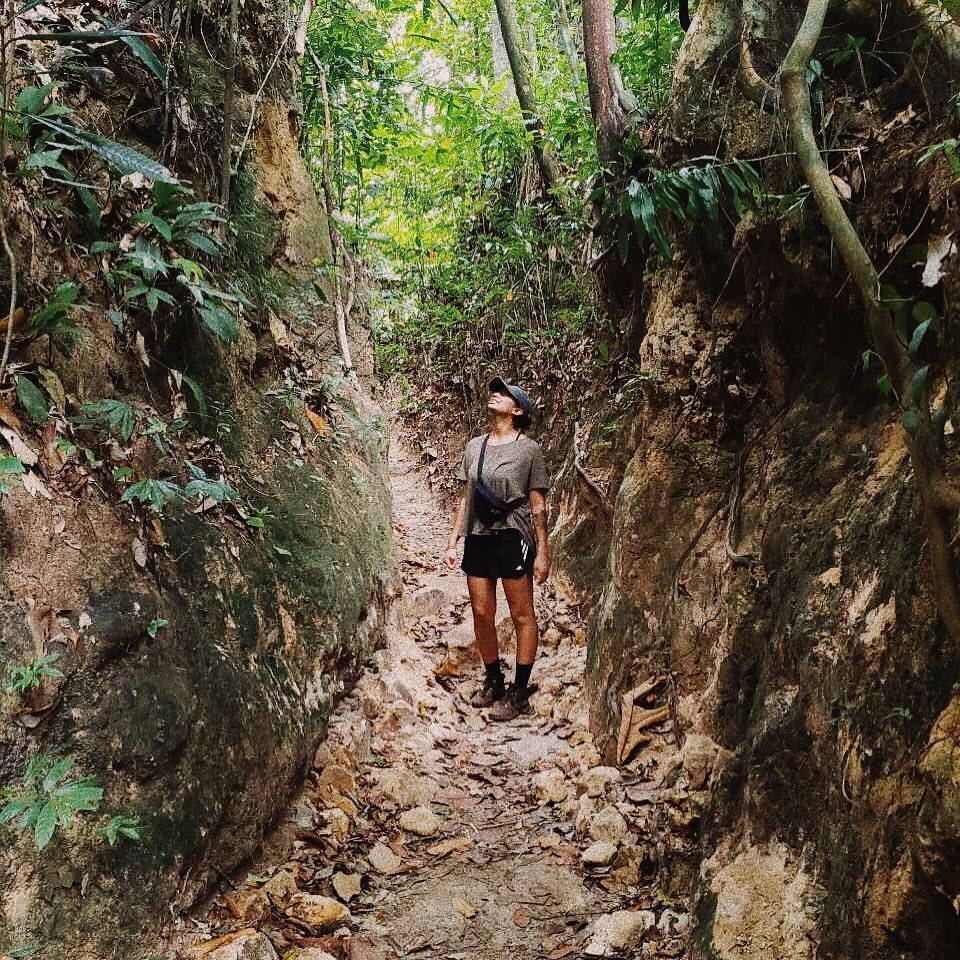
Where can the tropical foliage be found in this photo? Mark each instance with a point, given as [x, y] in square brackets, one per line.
[431, 167]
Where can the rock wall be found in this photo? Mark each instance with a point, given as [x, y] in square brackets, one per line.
[201, 653]
[767, 553]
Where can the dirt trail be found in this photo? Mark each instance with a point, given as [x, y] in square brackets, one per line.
[426, 831]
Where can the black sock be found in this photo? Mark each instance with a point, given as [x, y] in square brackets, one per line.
[494, 672]
[523, 675]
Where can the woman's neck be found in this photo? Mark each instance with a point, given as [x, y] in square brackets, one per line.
[502, 428]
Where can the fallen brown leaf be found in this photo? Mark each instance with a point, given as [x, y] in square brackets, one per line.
[450, 845]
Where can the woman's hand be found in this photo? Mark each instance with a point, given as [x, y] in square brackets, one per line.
[452, 557]
[541, 568]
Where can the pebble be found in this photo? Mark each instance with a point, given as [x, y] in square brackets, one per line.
[320, 913]
[698, 755]
[383, 859]
[608, 824]
[247, 906]
[346, 885]
[420, 820]
[249, 945]
[463, 907]
[596, 780]
[281, 886]
[338, 823]
[405, 787]
[551, 786]
[615, 932]
[599, 854]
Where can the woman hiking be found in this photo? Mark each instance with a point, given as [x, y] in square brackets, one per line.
[503, 517]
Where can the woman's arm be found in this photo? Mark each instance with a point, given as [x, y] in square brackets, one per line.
[538, 509]
[451, 557]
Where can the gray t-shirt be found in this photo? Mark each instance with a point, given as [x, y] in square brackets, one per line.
[511, 470]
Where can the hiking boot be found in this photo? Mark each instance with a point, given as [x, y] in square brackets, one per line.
[491, 692]
[515, 702]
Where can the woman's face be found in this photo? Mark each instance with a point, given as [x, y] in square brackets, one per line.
[503, 403]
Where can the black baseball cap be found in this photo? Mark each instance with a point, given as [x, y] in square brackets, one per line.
[499, 385]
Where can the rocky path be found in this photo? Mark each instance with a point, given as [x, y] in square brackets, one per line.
[425, 831]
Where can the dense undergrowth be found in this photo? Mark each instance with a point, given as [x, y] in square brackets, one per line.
[476, 264]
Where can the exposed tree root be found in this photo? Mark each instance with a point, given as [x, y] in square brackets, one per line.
[634, 719]
[940, 499]
[754, 87]
[578, 457]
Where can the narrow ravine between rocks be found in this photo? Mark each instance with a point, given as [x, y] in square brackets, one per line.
[424, 830]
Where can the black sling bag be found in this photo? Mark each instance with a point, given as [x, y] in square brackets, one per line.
[488, 507]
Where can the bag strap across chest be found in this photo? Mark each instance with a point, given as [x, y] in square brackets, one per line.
[483, 451]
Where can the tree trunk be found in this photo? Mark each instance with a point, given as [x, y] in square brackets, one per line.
[529, 108]
[501, 62]
[341, 310]
[300, 38]
[939, 499]
[570, 50]
[229, 99]
[610, 101]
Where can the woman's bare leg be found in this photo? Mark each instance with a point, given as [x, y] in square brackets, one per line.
[520, 599]
[483, 602]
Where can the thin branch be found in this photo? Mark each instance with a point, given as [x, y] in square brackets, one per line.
[6, 82]
[939, 499]
[259, 94]
[229, 101]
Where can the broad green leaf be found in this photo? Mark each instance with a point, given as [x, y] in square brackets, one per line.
[918, 385]
[118, 155]
[32, 400]
[119, 417]
[46, 824]
[203, 243]
[158, 223]
[56, 773]
[198, 394]
[14, 808]
[146, 55]
[12, 465]
[917, 339]
[155, 494]
[81, 795]
[31, 99]
[923, 310]
[220, 321]
[204, 488]
[46, 160]
[911, 421]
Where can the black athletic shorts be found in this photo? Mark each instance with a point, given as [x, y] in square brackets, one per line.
[499, 555]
